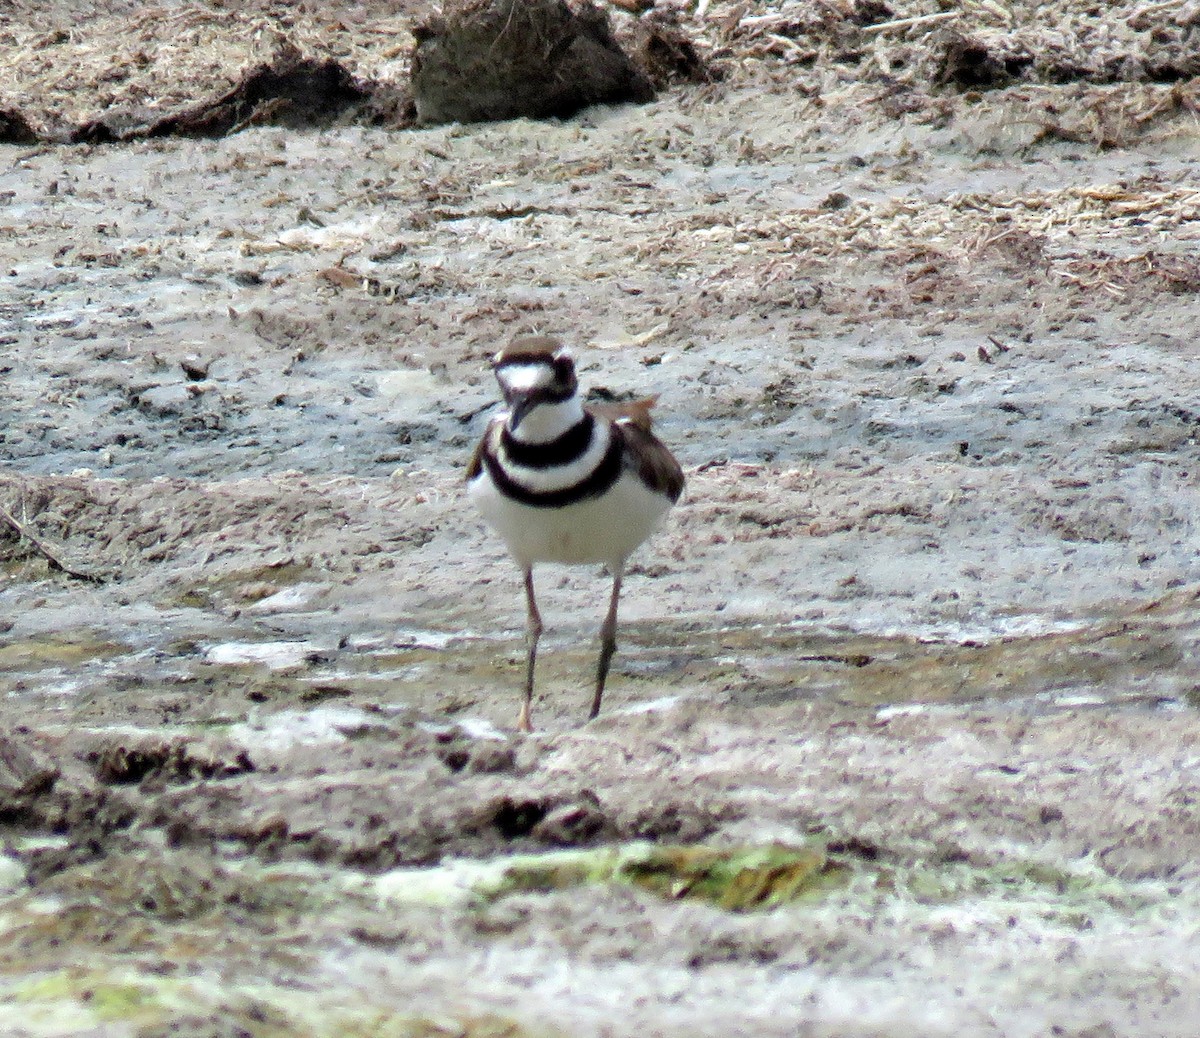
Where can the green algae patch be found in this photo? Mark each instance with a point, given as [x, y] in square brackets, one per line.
[391, 1025]
[770, 876]
[161, 908]
[57, 651]
[1069, 897]
[243, 586]
[76, 1000]
[12, 875]
[152, 939]
[737, 879]
[762, 664]
[27, 569]
[103, 999]
[180, 887]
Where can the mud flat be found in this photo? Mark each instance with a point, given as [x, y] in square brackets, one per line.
[902, 734]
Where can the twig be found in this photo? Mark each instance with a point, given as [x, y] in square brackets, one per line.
[760, 21]
[1151, 9]
[631, 6]
[908, 23]
[789, 45]
[52, 560]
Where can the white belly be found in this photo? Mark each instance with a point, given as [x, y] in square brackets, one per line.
[605, 529]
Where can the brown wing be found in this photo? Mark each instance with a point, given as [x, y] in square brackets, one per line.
[647, 456]
[476, 465]
[635, 411]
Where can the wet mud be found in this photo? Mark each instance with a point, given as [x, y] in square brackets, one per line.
[901, 736]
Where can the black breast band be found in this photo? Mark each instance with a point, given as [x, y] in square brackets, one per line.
[599, 480]
[569, 447]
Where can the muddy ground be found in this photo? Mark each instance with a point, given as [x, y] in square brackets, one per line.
[918, 290]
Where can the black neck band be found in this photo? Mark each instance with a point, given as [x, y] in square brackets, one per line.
[568, 447]
[601, 478]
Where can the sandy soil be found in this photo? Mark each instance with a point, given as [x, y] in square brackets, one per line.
[920, 316]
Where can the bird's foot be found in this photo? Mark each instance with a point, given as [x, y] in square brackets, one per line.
[523, 722]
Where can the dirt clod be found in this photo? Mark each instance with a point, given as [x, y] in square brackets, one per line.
[15, 128]
[174, 760]
[571, 824]
[668, 54]
[515, 818]
[972, 64]
[483, 60]
[491, 757]
[293, 90]
[24, 773]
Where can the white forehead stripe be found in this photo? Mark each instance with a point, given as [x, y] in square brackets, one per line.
[526, 376]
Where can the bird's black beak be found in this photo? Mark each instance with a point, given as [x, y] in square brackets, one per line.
[519, 405]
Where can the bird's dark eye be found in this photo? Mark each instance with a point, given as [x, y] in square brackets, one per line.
[564, 369]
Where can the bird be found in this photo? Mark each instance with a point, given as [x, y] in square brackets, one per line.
[565, 482]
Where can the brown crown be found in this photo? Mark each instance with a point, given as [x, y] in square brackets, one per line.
[525, 348]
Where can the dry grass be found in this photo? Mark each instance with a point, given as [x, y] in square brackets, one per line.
[64, 67]
[962, 225]
[158, 61]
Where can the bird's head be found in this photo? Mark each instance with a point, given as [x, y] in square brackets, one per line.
[534, 370]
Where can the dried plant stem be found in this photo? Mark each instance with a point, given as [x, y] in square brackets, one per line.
[909, 23]
[52, 560]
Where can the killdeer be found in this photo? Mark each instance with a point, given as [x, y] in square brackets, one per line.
[568, 483]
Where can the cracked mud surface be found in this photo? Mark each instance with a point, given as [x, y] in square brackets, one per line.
[923, 345]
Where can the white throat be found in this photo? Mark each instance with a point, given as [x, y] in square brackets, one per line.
[548, 422]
